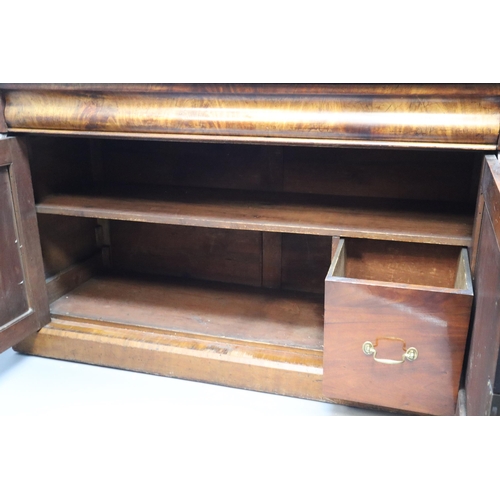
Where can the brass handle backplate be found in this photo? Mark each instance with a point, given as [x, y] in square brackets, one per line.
[410, 354]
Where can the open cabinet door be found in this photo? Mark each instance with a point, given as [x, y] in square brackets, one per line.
[482, 376]
[24, 306]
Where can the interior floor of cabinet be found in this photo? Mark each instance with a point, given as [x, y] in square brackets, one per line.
[278, 317]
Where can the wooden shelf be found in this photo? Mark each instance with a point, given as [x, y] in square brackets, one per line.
[424, 222]
[244, 313]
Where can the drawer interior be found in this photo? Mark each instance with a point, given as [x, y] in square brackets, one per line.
[403, 263]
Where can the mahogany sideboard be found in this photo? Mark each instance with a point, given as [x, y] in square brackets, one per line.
[331, 242]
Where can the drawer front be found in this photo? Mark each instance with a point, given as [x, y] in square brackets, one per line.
[394, 318]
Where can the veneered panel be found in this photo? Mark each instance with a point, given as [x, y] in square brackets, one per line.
[451, 120]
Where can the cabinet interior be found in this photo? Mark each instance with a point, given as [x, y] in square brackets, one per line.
[232, 240]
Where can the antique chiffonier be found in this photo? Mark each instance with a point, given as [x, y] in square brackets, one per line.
[331, 242]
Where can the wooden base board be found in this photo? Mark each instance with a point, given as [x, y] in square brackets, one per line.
[288, 371]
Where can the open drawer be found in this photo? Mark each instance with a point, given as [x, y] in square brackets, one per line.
[396, 323]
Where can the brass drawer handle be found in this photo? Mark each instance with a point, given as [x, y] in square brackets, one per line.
[410, 354]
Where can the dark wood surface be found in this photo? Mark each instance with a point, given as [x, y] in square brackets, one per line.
[491, 191]
[395, 118]
[3, 125]
[235, 363]
[73, 276]
[405, 263]
[23, 299]
[395, 174]
[217, 165]
[65, 241]
[275, 317]
[485, 339]
[13, 297]
[305, 262]
[481, 373]
[433, 320]
[271, 260]
[210, 254]
[271, 88]
[446, 224]
[382, 173]
[392, 195]
[59, 165]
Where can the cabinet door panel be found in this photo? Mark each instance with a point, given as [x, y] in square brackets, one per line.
[23, 298]
[483, 359]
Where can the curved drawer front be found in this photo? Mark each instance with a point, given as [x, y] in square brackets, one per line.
[301, 118]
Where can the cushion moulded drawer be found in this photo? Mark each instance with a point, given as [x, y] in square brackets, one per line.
[396, 323]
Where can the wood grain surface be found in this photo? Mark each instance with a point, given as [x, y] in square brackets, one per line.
[23, 299]
[190, 252]
[446, 224]
[395, 174]
[244, 364]
[483, 366]
[305, 260]
[65, 241]
[433, 320]
[451, 119]
[490, 184]
[13, 297]
[403, 263]
[216, 165]
[73, 276]
[376, 173]
[267, 316]
[492, 90]
[287, 202]
[59, 165]
[3, 125]
[485, 339]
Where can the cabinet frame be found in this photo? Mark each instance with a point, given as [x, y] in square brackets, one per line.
[30, 109]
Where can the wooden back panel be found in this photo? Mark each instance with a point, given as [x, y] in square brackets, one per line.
[287, 261]
[226, 166]
[66, 241]
[200, 253]
[59, 165]
[392, 174]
